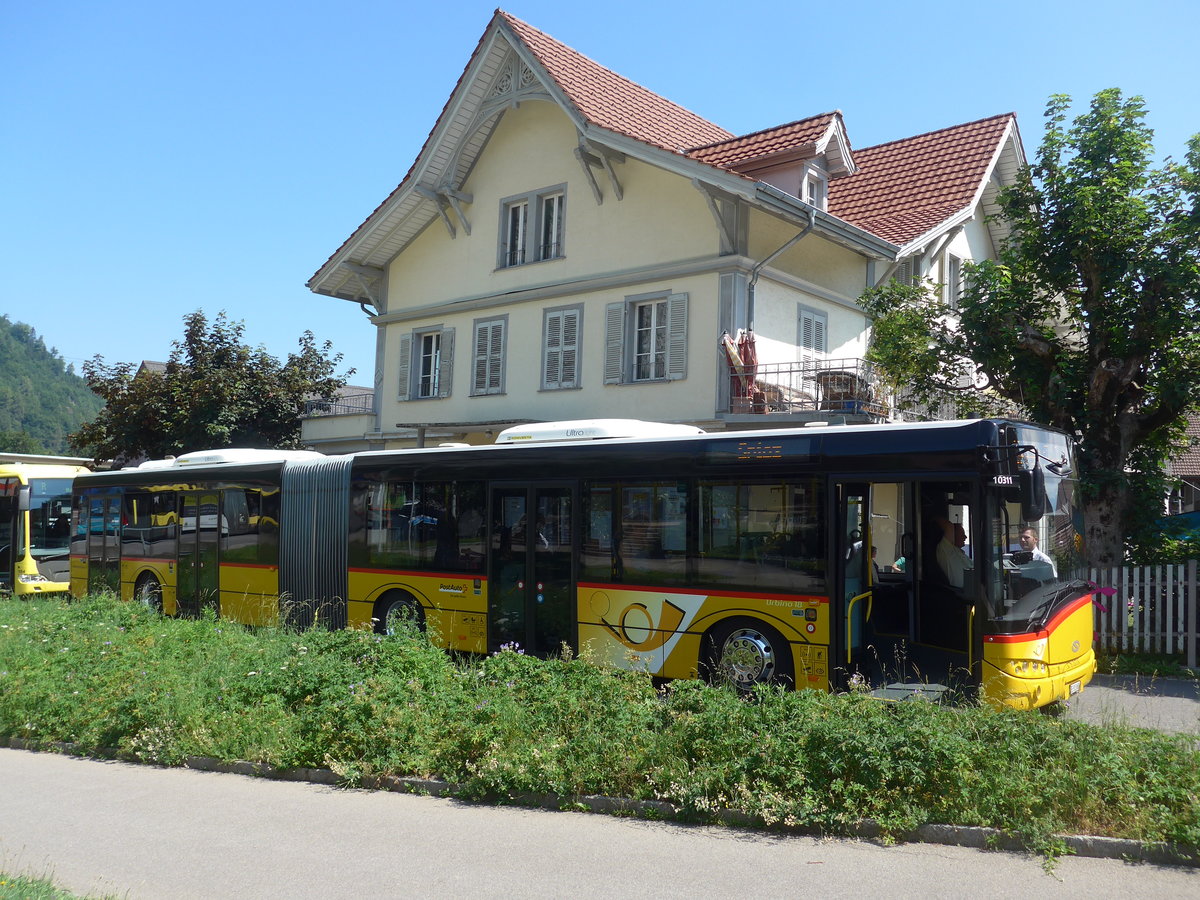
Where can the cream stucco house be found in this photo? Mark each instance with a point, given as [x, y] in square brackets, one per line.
[569, 244]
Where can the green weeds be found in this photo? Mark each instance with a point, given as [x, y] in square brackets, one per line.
[105, 675]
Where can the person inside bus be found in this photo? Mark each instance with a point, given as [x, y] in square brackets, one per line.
[1031, 561]
[951, 559]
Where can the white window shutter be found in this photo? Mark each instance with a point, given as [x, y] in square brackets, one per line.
[813, 327]
[570, 350]
[404, 361]
[446, 362]
[677, 343]
[614, 327]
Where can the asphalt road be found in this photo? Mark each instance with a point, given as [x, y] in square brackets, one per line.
[1140, 701]
[142, 832]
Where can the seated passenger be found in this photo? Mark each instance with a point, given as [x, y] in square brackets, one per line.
[950, 557]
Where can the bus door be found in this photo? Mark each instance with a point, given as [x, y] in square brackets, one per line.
[531, 584]
[877, 551]
[198, 583]
[853, 580]
[104, 542]
[9, 487]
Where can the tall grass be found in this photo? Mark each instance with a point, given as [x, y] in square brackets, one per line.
[108, 675]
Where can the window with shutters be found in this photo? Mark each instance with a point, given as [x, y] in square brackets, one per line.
[490, 335]
[810, 344]
[952, 289]
[907, 272]
[428, 360]
[531, 227]
[646, 339]
[560, 349]
[425, 363]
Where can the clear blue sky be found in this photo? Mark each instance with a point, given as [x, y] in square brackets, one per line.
[163, 156]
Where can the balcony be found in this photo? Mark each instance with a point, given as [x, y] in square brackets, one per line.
[342, 405]
[830, 390]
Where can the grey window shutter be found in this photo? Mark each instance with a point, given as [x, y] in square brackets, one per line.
[570, 349]
[489, 358]
[446, 362]
[561, 350]
[614, 327]
[677, 343]
[404, 360]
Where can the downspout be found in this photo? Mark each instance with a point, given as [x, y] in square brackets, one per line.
[757, 270]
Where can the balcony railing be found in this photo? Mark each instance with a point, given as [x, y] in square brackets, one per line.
[847, 388]
[841, 386]
[346, 405]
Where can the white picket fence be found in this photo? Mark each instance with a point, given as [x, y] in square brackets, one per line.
[1152, 611]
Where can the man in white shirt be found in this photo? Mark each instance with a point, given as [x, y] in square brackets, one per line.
[1033, 563]
[954, 563]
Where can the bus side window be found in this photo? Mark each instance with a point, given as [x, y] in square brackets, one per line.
[596, 557]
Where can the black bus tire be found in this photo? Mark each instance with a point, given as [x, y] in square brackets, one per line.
[396, 610]
[745, 653]
[148, 592]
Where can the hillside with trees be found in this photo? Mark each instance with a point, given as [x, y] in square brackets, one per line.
[42, 400]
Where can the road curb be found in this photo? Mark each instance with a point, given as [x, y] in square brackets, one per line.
[976, 837]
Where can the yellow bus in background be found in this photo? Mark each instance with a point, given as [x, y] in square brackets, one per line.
[35, 514]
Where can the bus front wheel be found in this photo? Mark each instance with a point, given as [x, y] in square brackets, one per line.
[746, 653]
[397, 612]
[149, 593]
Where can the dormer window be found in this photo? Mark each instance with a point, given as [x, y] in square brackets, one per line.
[814, 190]
[531, 227]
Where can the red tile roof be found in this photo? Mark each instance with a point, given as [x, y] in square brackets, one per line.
[612, 101]
[1187, 463]
[904, 188]
[731, 153]
[901, 189]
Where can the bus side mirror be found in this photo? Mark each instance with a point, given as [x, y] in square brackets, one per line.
[24, 498]
[1033, 493]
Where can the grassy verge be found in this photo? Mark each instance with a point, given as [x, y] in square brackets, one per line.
[104, 674]
[1155, 665]
[21, 887]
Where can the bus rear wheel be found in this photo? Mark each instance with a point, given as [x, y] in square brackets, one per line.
[396, 613]
[745, 653]
[149, 593]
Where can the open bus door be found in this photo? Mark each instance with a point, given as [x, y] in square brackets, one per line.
[853, 580]
[904, 628]
[531, 593]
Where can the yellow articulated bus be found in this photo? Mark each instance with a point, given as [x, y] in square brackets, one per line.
[35, 513]
[914, 558]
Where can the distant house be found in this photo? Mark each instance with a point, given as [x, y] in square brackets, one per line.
[1185, 469]
[569, 244]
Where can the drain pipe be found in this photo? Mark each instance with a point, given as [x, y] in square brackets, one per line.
[758, 267]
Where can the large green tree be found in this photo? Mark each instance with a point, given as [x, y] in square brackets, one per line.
[1088, 320]
[215, 391]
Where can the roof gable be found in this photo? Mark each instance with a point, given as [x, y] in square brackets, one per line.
[891, 194]
[803, 139]
[611, 101]
[905, 188]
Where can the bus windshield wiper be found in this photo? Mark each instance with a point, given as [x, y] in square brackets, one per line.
[1058, 595]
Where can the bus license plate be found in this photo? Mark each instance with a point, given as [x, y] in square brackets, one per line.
[1074, 688]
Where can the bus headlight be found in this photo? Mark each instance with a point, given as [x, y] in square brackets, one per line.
[1026, 668]
[31, 579]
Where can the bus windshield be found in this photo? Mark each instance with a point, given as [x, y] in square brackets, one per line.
[49, 517]
[1036, 538]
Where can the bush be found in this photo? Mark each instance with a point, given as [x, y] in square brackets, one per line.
[108, 675]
